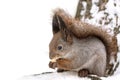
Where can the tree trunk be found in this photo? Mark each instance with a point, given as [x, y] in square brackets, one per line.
[102, 13]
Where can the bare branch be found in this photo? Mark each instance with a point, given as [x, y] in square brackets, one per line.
[88, 8]
[78, 11]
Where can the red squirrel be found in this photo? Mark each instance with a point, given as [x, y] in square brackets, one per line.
[80, 46]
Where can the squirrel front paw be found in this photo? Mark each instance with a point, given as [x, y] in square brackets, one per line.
[63, 63]
[83, 73]
[52, 65]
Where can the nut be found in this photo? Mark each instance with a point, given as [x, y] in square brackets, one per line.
[55, 58]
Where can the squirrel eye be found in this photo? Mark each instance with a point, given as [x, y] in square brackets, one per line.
[60, 47]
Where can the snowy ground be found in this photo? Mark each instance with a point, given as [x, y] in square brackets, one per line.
[68, 75]
[25, 32]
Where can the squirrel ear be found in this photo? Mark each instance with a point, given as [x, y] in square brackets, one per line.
[66, 34]
[55, 24]
[58, 24]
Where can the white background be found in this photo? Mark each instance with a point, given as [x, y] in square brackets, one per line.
[25, 33]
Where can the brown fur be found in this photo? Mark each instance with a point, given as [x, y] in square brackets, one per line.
[64, 64]
[83, 30]
[85, 45]
[88, 53]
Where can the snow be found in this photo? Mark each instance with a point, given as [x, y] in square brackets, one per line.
[64, 76]
[112, 11]
[68, 75]
[55, 76]
[25, 33]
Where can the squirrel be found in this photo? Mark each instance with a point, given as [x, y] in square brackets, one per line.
[80, 46]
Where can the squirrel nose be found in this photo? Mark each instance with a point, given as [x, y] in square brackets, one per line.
[51, 55]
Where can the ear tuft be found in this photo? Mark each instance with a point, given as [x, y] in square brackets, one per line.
[55, 24]
[58, 24]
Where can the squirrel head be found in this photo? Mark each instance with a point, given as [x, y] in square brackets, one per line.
[62, 38]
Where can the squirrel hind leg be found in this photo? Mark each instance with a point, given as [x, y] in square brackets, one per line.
[83, 73]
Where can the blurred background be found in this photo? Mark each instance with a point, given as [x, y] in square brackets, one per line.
[25, 33]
